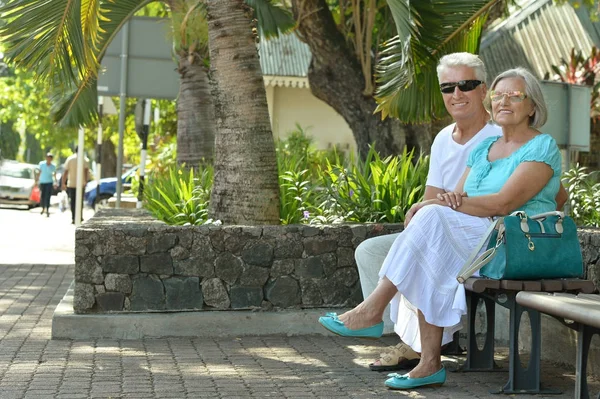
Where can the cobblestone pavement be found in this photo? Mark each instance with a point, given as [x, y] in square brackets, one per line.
[33, 366]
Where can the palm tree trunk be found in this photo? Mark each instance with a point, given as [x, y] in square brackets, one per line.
[195, 115]
[245, 188]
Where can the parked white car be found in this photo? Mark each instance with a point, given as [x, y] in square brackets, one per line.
[17, 184]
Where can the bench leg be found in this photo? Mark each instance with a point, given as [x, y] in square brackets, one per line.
[584, 338]
[480, 360]
[520, 379]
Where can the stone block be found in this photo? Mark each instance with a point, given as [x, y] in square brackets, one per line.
[118, 282]
[345, 237]
[180, 253]
[202, 247]
[310, 292]
[252, 231]
[348, 276]
[147, 294]
[215, 294]
[229, 267]
[125, 244]
[110, 301]
[310, 231]
[126, 264]
[283, 292]
[317, 246]
[183, 293]
[161, 242]
[282, 267]
[246, 297]
[99, 289]
[186, 238]
[345, 257]
[288, 248]
[157, 264]
[217, 239]
[235, 243]
[89, 271]
[83, 297]
[329, 263]
[197, 266]
[254, 276]
[359, 231]
[333, 292]
[311, 267]
[258, 253]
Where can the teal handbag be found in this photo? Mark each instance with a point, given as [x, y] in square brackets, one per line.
[525, 247]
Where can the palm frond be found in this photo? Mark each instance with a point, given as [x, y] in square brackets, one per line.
[272, 18]
[77, 104]
[407, 86]
[47, 37]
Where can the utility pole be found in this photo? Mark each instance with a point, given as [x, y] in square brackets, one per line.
[144, 138]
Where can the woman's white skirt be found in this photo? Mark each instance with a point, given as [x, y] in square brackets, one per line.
[423, 264]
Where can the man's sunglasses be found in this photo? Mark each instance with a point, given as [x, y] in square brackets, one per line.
[463, 85]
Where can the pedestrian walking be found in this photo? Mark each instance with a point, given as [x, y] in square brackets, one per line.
[45, 176]
[69, 180]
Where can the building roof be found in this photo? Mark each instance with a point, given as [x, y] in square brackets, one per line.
[535, 37]
[284, 56]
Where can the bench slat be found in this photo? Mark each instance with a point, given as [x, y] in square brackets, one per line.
[584, 286]
[511, 285]
[551, 285]
[565, 306]
[481, 284]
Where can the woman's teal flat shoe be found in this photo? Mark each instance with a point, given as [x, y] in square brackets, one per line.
[399, 381]
[331, 322]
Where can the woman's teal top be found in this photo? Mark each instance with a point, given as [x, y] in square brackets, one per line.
[488, 177]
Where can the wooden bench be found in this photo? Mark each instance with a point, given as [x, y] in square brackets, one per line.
[581, 313]
[504, 293]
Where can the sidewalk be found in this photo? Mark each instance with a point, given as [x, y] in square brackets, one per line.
[33, 366]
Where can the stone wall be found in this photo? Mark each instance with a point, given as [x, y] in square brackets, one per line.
[127, 261]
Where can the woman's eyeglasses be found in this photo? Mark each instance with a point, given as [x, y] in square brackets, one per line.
[513, 96]
[463, 85]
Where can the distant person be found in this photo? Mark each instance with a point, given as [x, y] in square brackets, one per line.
[45, 176]
[69, 180]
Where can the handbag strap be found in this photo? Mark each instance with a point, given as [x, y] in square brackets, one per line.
[472, 264]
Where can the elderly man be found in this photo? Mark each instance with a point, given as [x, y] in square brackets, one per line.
[462, 79]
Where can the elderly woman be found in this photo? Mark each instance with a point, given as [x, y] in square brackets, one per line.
[518, 170]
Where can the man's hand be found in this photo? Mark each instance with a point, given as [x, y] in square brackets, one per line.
[411, 212]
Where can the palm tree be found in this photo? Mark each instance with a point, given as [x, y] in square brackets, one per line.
[82, 31]
[245, 188]
[63, 40]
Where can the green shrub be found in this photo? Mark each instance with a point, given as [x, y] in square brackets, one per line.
[584, 195]
[377, 190]
[177, 197]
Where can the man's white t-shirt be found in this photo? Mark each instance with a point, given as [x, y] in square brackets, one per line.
[448, 159]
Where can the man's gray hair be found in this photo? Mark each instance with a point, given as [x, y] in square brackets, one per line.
[463, 59]
[533, 91]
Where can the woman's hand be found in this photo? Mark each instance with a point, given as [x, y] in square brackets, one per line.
[411, 212]
[451, 198]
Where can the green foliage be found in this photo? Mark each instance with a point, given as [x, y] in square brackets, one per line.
[315, 186]
[179, 198]
[584, 195]
[378, 190]
[10, 140]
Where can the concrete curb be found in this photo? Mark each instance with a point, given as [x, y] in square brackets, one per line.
[211, 324]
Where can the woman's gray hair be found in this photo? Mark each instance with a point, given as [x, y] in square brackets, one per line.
[533, 91]
[463, 59]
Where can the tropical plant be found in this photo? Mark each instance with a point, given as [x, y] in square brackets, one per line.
[344, 38]
[377, 190]
[179, 198]
[584, 195]
[581, 70]
[46, 36]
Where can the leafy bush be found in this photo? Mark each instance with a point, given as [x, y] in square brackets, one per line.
[315, 187]
[378, 190]
[179, 198]
[584, 195]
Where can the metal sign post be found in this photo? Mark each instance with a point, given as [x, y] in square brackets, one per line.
[144, 138]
